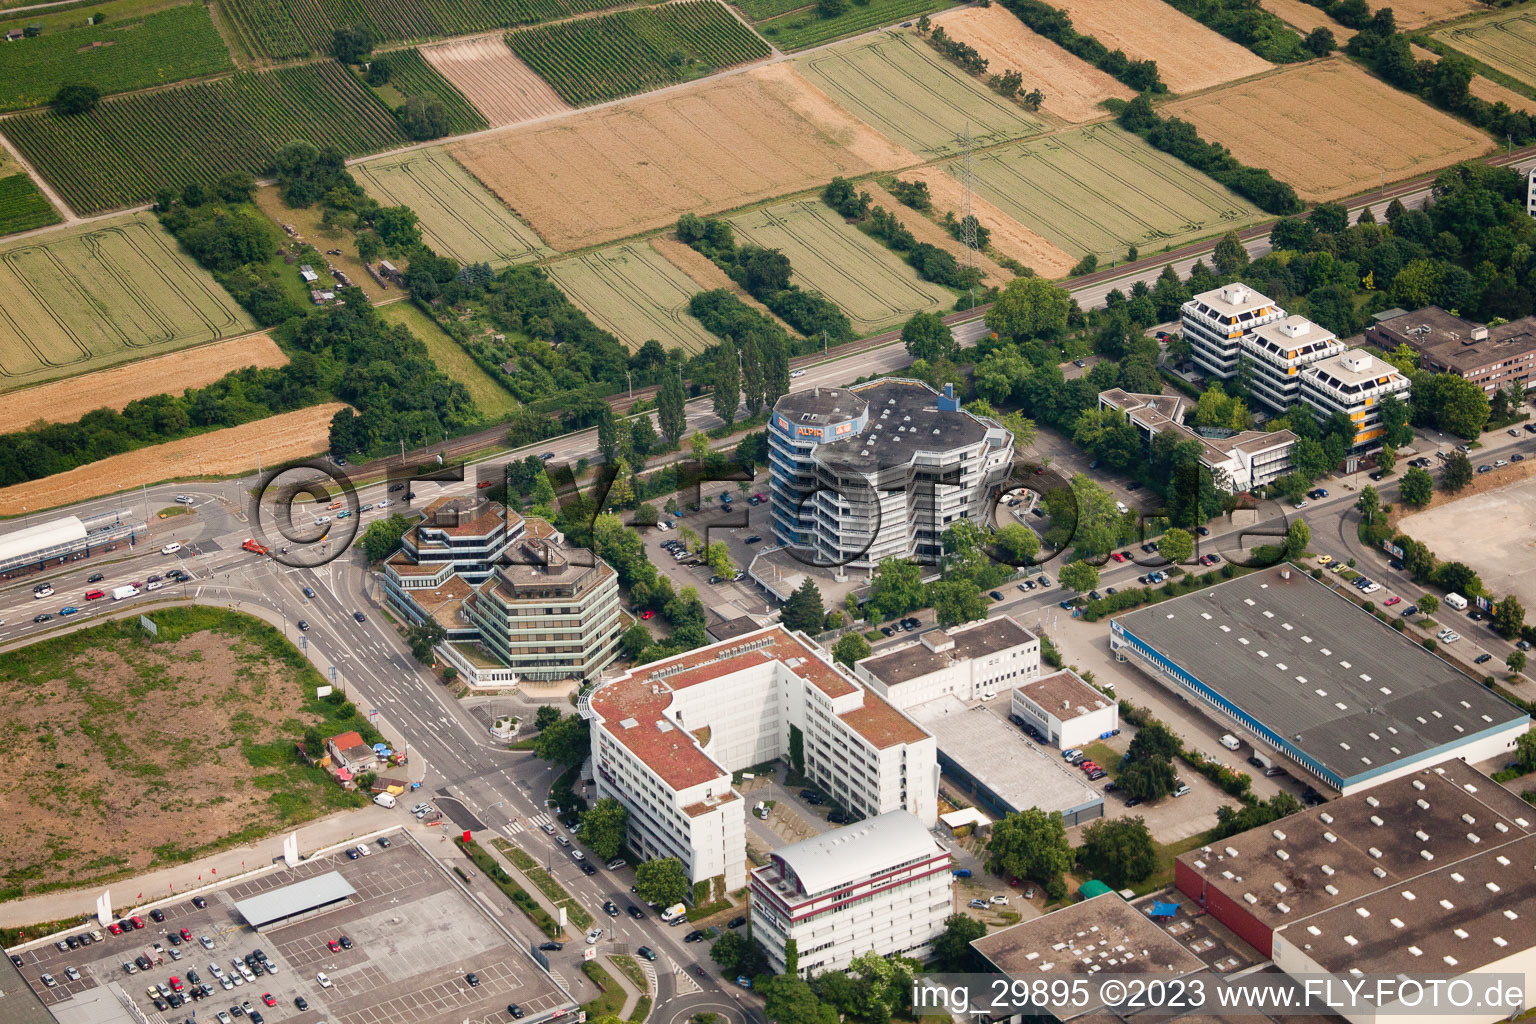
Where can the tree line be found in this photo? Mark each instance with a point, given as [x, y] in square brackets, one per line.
[930, 262]
[1056, 25]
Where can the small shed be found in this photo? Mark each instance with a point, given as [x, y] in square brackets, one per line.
[307, 273]
[1093, 888]
[13, 35]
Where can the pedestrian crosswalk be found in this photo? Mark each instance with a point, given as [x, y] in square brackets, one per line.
[513, 828]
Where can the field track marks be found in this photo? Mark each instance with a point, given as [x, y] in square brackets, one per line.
[491, 77]
[703, 272]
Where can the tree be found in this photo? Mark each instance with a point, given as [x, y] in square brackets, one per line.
[634, 641]
[1118, 851]
[424, 636]
[76, 98]
[1508, 617]
[546, 716]
[1429, 604]
[728, 949]
[927, 336]
[1369, 503]
[352, 44]
[956, 601]
[603, 826]
[1231, 256]
[383, 536]
[752, 380]
[1148, 780]
[1417, 486]
[1031, 844]
[1320, 43]
[1176, 545]
[1457, 473]
[1394, 414]
[1017, 543]
[1516, 661]
[718, 556]
[1297, 536]
[726, 378]
[1153, 742]
[803, 612]
[788, 999]
[952, 949]
[1463, 405]
[850, 647]
[565, 742]
[669, 407]
[423, 117]
[1080, 576]
[661, 881]
[1029, 307]
[896, 589]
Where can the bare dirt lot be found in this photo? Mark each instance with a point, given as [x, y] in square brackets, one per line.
[1073, 88]
[491, 77]
[635, 167]
[126, 752]
[1330, 130]
[67, 400]
[1189, 56]
[1503, 547]
[1009, 237]
[291, 435]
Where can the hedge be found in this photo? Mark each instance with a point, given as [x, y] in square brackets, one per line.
[514, 892]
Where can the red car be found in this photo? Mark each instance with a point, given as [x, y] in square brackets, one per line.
[266, 997]
[176, 985]
[1089, 766]
[115, 928]
[1392, 601]
[647, 614]
[136, 921]
[760, 496]
[333, 946]
[1119, 556]
[186, 936]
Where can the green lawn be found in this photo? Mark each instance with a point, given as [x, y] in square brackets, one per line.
[491, 398]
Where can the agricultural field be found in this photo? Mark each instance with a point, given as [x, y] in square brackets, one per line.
[1412, 14]
[410, 74]
[703, 271]
[276, 439]
[1189, 56]
[631, 291]
[1492, 92]
[130, 146]
[458, 217]
[1009, 237]
[94, 296]
[150, 49]
[490, 398]
[22, 204]
[488, 73]
[594, 59]
[65, 401]
[1073, 88]
[1505, 41]
[925, 230]
[715, 146]
[1303, 17]
[1330, 129]
[199, 720]
[902, 87]
[806, 27]
[277, 29]
[1101, 190]
[869, 282]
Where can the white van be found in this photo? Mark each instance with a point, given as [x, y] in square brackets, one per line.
[1120, 507]
[1230, 742]
[674, 912]
[1456, 601]
[171, 548]
[385, 800]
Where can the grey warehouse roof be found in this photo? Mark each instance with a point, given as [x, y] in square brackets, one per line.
[855, 852]
[277, 904]
[1326, 676]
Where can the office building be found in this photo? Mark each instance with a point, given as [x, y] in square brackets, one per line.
[879, 470]
[1275, 354]
[970, 662]
[1492, 357]
[1215, 322]
[666, 737]
[880, 885]
[1354, 383]
[1237, 461]
[1067, 711]
[1281, 660]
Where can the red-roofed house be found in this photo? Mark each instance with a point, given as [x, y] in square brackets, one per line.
[667, 736]
[349, 752]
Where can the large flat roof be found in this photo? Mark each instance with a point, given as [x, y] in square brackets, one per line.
[904, 419]
[1327, 678]
[1065, 695]
[1447, 339]
[857, 852]
[998, 756]
[31, 539]
[937, 649]
[277, 904]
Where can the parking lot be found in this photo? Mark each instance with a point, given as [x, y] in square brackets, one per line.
[415, 937]
[732, 522]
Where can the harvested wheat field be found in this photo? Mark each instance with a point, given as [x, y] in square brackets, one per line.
[1493, 92]
[65, 401]
[491, 77]
[1411, 14]
[704, 273]
[1189, 56]
[1009, 237]
[1330, 129]
[636, 166]
[291, 435]
[1303, 17]
[925, 230]
[1073, 88]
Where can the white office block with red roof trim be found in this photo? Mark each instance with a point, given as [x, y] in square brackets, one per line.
[667, 736]
[881, 884]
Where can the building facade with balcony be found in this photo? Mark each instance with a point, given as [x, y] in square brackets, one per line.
[1354, 383]
[1215, 323]
[879, 471]
[1237, 462]
[1277, 352]
[667, 736]
[882, 884]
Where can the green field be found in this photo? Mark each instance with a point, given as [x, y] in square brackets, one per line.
[298, 28]
[1101, 190]
[761, 10]
[130, 146]
[597, 59]
[92, 297]
[491, 398]
[23, 205]
[807, 28]
[1506, 42]
[631, 291]
[118, 55]
[458, 216]
[914, 97]
[411, 75]
[867, 281]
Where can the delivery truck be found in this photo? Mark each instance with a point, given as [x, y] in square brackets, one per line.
[118, 593]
